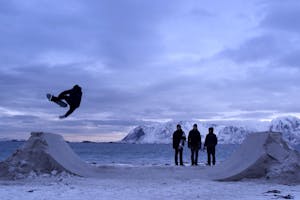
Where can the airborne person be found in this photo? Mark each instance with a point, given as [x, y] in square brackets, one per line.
[72, 97]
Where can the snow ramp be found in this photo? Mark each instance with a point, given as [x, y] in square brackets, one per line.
[262, 155]
[44, 153]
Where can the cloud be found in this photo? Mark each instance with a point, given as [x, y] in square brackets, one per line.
[291, 59]
[282, 16]
[275, 38]
[120, 34]
[280, 20]
[139, 60]
[254, 115]
[261, 48]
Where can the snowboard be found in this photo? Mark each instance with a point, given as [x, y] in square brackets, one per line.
[58, 102]
[182, 140]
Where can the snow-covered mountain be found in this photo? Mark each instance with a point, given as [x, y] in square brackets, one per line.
[289, 127]
[228, 132]
[233, 134]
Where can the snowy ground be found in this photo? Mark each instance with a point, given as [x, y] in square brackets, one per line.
[124, 182]
[44, 152]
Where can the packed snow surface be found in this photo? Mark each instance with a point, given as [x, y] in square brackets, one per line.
[176, 187]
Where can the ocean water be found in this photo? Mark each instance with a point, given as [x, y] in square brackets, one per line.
[139, 154]
[128, 154]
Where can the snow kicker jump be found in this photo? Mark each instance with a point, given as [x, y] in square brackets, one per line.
[44, 153]
[262, 155]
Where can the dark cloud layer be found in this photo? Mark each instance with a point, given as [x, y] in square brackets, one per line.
[145, 61]
[256, 49]
[282, 16]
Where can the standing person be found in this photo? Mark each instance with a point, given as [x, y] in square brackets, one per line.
[72, 97]
[194, 143]
[178, 143]
[211, 141]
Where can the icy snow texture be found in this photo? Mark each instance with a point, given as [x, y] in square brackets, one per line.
[228, 132]
[262, 155]
[43, 153]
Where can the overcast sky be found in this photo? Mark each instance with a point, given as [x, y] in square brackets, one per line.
[146, 60]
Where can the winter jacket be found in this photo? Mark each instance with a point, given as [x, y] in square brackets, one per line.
[194, 139]
[74, 96]
[211, 140]
[178, 136]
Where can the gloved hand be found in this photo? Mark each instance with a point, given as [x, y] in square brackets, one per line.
[62, 117]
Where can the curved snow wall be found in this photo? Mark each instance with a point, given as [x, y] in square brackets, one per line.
[261, 155]
[44, 153]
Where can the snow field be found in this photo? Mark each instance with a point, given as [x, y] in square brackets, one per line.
[77, 188]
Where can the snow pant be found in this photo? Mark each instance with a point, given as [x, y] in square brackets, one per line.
[68, 100]
[194, 156]
[178, 151]
[211, 151]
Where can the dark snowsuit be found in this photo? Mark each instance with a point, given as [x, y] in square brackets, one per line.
[194, 143]
[72, 97]
[178, 137]
[210, 143]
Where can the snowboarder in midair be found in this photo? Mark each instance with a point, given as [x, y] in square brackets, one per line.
[211, 141]
[72, 97]
[194, 143]
[178, 143]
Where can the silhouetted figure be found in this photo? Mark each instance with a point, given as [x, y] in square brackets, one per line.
[72, 97]
[210, 143]
[194, 143]
[178, 143]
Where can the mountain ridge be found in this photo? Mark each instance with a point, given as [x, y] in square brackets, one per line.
[228, 132]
